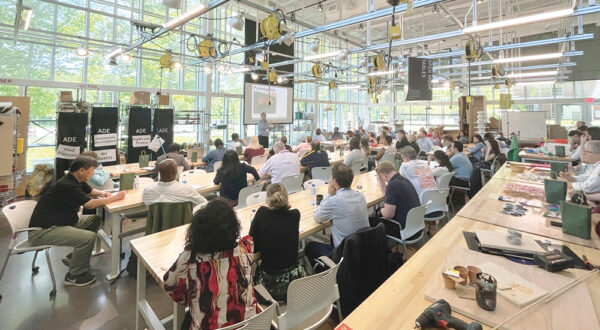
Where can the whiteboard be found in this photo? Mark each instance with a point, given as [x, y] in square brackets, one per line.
[525, 124]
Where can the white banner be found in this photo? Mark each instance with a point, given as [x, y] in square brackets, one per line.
[107, 155]
[140, 140]
[104, 140]
[67, 152]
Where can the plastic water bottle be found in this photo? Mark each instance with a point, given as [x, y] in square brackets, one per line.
[359, 185]
[313, 195]
[136, 182]
[184, 181]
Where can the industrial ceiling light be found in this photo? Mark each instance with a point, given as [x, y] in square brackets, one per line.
[343, 55]
[254, 76]
[363, 62]
[519, 21]
[321, 56]
[361, 27]
[532, 74]
[114, 53]
[237, 21]
[280, 80]
[207, 69]
[176, 65]
[382, 73]
[112, 61]
[479, 1]
[26, 14]
[319, 6]
[187, 16]
[288, 38]
[125, 58]
[314, 47]
[262, 56]
[82, 52]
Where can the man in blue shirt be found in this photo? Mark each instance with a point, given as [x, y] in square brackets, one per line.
[315, 158]
[263, 135]
[344, 207]
[214, 156]
[336, 134]
[462, 165]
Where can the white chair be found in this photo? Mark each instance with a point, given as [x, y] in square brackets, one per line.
[316, 182]
[293, 183]
[258, 160]
[308, 298]
[259, 321]
[414, 230]
[145, 181]
[198, 207]
[438, 208]
[18, 215]
[180, 170]
[387, 158]
[217, 165]
[444, 180]
[245, 192]
[466, 190]
[322, 173]
[256, 198]
[356, 168]
[192, 173]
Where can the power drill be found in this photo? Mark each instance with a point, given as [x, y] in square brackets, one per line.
[438, 315]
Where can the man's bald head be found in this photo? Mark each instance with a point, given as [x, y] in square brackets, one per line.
[168, 170]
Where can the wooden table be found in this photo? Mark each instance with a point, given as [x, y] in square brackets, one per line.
[116, 170]
[400, 300]
[334, 143]
[528, 176]
[157, 252]
[486, 208]
[541, 158]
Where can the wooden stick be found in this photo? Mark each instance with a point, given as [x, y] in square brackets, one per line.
[549, 296]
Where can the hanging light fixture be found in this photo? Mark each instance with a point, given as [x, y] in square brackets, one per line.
[319, 6]
[208, 69]
[254, 76]
[237, 21]
[176, 65]
[82, 52]
[288, 38]
[261, 57]
[26, 14]
[112, 61]
[363, 62]
[125, 58]
[343, 55]
[314, 47]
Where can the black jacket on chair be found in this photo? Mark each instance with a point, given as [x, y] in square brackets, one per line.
[365, 266]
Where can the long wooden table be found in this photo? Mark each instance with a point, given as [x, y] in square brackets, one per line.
[157, 252]
[401, 299]
[530, 175]
[540, 158]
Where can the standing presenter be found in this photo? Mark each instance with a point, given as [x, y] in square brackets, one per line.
[263, 130]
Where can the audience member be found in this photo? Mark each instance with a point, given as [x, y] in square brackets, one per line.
[235, 142]
[344, 207]
[318, 136]
[412, 142]
[364, 146]
[253, 149]
[589, 182]
[214, 156]
[356, 155]
[574, 145]
[579, 124]
[447, 142]
[56, 214]
[372, 139]
[429, 132]
[462, 166]
[463, 137]
[233, 177]
[284, 141]
[173, 153]
[275, 231]
[416, 171]
[444, 165]
[213, 274]
[435, 138]
[424, 142]
[168, 189]
[305, 145]
[315, 158]
[492, 149]
[388, 149]
[281, 165]
[350, 134]
[363, 134]
[336, 134]
[400, 194]
[476, 152]
[402, 140]
[382, 135]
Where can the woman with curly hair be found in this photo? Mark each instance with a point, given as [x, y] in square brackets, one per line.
[197, 280]
[275, 233]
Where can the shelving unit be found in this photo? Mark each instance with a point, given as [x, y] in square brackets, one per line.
[9, 176]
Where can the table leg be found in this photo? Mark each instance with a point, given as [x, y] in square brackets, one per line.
[140, 294]
[115, 246]
[98, 246]
[178, 315]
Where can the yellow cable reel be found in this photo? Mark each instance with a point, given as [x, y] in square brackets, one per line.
[379, 62]
[317, 70]
[373, 81]
[270, 27]
[272, 76]
[332, 85]
[206, 48]
[165, 60]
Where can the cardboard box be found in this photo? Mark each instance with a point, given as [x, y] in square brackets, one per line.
[66, 96]
[142, 98]
[494, 123]
[163, 99]
[21, 102]
[557, 132]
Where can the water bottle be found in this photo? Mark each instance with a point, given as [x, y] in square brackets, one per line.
[313, 195]
[136, 182]
[359, 185]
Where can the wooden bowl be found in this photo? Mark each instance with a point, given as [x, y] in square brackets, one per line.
[448, 282]
[517, 168]
[472, 271]
[464, 274]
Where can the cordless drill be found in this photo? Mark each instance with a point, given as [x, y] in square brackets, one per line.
[438, 315]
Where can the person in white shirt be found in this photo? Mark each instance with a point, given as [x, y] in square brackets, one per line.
[356, 155]
[416, 171]
[168, 189]
[318, 136]
[235, 142]
[424, 142]
[280, 165]
[588, 182]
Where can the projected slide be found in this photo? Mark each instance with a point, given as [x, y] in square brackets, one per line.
[275, 101]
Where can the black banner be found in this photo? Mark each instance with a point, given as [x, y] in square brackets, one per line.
[420, 71]
[139, 132]
[70, 139]
[104, 134]
[163, 126]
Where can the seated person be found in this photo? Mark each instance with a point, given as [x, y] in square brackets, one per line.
[281, 165]
[492, 149]
[444, 165]
[364, 146]
[388, 149]
[168, 189]
[589, 182]
[233, 176]
[424, 142]
[56, 213]
[574, 146]
[477, 151]
[384, 132]
[336, 134]
[100, 176]
[362, 133]
[447, 142]
[372, 140]
[253, 149]
[214, 156]
[490, 136]
[463, 137]
[400, 194]
[235, 142]
[435, 139]
[213, 274]
[275, 232]
[412, 142]
[306, 145]
[318, 136]
[402, 140]
[429, 132]
[461, 164]
[344, 207]
[350, 134]
[416, 171]
[315, 158]
[284, 141]
[356, 155]
[173, 153]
